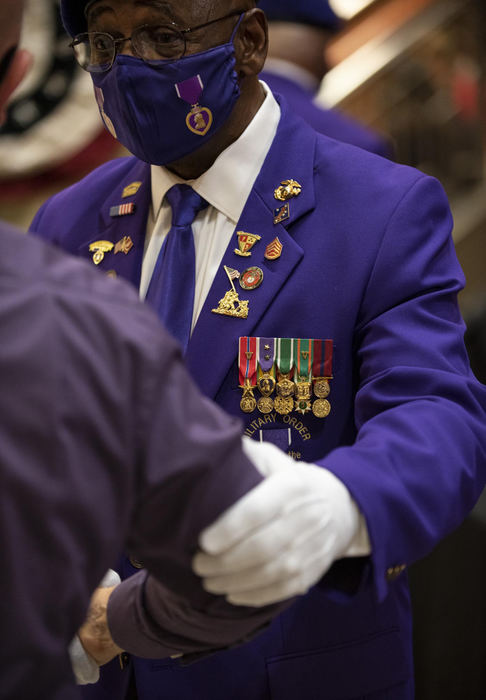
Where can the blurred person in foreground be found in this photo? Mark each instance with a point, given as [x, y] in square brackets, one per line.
[298, 34]
[104, 443]
[313, 287]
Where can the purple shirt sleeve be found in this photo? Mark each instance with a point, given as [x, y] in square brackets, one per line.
[192, 468]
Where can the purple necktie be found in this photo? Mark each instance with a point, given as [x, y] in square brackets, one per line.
[171, 289]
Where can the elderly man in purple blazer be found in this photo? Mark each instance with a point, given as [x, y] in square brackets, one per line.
[313, 287]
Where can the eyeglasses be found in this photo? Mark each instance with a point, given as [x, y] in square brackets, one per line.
[96, 51]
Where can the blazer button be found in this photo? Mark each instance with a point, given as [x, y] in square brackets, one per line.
[136, 563]
[394, 572]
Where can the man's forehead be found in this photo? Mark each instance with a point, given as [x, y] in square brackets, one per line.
[190, 11]
[97, 7]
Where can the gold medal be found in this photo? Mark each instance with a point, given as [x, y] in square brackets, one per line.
[302, 406]
[265, 404]
[248, 402]
[284, 405]
[247, 365]
[321, 408]
[322, 388]
[285, 387]
[303, 392]
[266, 384]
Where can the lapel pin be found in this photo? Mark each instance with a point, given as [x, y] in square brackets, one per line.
[99, 248]
[246, 241]
[287, 190]
[251, 278]
[123, 209]
[131, 189]
[230, 304]
[281, 214]
[273, 250]
[124, 245]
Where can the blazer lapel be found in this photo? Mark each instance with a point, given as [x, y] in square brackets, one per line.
[214, 342]
[126, 232]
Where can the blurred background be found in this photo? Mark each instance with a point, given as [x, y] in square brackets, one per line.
[411, 70]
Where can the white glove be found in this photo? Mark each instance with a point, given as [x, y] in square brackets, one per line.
[283, 536]
[85, 669]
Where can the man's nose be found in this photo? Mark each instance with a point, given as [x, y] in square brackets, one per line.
[124, 46]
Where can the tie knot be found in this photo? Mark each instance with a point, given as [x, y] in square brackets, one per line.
[185, 204]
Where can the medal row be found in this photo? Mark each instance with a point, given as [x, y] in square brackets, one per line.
[297, 370]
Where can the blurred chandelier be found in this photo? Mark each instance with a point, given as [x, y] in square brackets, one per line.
[348, 8]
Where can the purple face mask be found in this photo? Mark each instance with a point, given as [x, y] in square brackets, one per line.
[166, 110]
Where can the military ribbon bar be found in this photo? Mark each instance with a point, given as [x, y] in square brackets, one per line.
[248, 361]
[323, 357]
[266, 353]
[303, 357]
[285, 355]
[190, 90]
[123, 209]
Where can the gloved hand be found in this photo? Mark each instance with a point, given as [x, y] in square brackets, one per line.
[283, 536]
[85, 668]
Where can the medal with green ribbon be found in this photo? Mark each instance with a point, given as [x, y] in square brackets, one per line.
[284, 403]
[247, 363]
[303, 365]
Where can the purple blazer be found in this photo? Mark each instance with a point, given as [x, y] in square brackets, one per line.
[367, 261]
[105, 443]
[329, 122]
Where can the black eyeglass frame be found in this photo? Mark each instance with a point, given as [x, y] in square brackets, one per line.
[103, 68]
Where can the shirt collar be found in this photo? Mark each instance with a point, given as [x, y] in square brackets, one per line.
[227, 184]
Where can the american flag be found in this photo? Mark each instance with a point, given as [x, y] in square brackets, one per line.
[232, 274]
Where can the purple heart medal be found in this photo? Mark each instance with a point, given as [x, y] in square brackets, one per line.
[199, 119]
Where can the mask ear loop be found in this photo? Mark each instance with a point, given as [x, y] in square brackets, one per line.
[240, 19]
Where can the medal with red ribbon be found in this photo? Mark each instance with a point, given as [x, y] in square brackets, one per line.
[247, 363]
[199, 119]
[322, 374]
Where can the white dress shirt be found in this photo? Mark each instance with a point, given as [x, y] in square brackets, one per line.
[226, 186]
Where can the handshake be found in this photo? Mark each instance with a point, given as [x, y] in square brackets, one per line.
[273, 544]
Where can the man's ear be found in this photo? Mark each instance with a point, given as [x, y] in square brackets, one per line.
[251, 44]
[20, 65]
